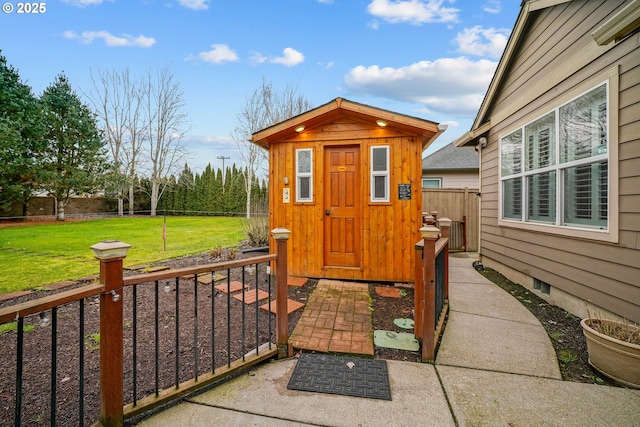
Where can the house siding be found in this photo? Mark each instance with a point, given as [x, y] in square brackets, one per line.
[601, 273]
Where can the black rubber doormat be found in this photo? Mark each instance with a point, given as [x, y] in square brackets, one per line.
[347, 376]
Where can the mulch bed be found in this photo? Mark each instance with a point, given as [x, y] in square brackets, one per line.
[230, 344]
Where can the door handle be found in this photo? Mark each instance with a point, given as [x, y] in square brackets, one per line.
[327, 212]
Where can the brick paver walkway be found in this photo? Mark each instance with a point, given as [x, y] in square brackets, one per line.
[337, 319]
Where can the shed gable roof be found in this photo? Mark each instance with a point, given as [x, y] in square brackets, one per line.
[340, 107]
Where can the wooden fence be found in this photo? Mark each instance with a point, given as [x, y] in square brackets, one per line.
[459, 205]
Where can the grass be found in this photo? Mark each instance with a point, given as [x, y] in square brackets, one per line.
[13, 327]
[36, 255]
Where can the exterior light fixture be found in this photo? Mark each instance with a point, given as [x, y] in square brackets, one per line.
[299, 128]
[115, 296]
[429, 232]
[110, 249]
[280, 233]
[166, 288]
[381, 123]
[44, 320]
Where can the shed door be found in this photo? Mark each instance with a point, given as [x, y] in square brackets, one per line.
[342, 206]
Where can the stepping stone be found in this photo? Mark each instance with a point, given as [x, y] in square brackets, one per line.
[385, 291]
[250, 296]
[397, 340]
[291, 306]
[60, 285]
[135, 267]
[232, 287]
[403, 323]
[296, 281]
[11, 295]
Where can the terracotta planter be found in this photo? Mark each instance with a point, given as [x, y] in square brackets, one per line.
[618, 360]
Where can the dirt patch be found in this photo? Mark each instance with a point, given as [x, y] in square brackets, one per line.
[562, 327]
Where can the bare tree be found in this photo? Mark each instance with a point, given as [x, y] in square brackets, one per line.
[118, 102]
[165, 126]
[265, 107]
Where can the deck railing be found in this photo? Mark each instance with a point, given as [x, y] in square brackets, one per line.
[431, 297]
[175, 346]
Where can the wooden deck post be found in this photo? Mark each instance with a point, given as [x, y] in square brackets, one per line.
[429, 236]
[111, 254]
[445, 227]
[281, 235]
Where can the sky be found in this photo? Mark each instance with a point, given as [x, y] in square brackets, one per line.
[431, 59]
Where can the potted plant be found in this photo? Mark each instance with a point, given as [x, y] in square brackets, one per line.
[614, 348]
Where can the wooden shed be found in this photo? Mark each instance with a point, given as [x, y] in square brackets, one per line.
[345, 178]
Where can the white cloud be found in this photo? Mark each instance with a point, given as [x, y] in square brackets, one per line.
[492, 6]
[87, 37]
[415, 12]
[82, 3]
[218, 53]
[447, 85]
[482, 41]
[257, 58]
[289, 58]
[195, 4]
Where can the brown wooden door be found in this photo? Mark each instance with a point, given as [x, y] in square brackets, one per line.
[342, 207]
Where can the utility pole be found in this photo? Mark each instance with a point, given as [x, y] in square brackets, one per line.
[223, 158]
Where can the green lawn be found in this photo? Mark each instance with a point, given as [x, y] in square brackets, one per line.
[36, 255]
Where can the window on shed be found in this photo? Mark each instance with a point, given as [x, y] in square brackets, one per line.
[304, 175]
[380, 173]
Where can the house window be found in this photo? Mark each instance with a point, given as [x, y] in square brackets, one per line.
[304, 176]
[380, 174]
[554, 170]
[431, 182]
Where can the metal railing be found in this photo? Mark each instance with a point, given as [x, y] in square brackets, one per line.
[431, 286]
[195, 341]
[178, 330]
[52, 351]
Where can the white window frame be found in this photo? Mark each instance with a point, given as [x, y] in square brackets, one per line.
[300, 175]
[439, 180]
[610, 231]
[385, 173]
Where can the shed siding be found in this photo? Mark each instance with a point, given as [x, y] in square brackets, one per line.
[605, 274]
[389, 231]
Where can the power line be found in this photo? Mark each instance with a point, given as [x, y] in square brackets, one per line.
[223, 158]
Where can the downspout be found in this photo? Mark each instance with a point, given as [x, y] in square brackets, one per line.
[482, 142]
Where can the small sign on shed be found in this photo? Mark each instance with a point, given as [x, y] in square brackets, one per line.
[404, 191]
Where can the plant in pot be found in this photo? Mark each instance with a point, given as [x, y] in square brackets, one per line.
[614, 348]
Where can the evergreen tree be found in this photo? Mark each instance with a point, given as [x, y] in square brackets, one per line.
[75, 159]
[21, 137]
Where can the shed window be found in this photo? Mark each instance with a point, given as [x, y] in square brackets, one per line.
[304, 175]
[554, 170]
[380, 174]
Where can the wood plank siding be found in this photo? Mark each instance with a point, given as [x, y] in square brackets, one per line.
[388, 230]
[605, 274]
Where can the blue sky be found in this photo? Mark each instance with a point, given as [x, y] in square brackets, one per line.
[432, 59]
